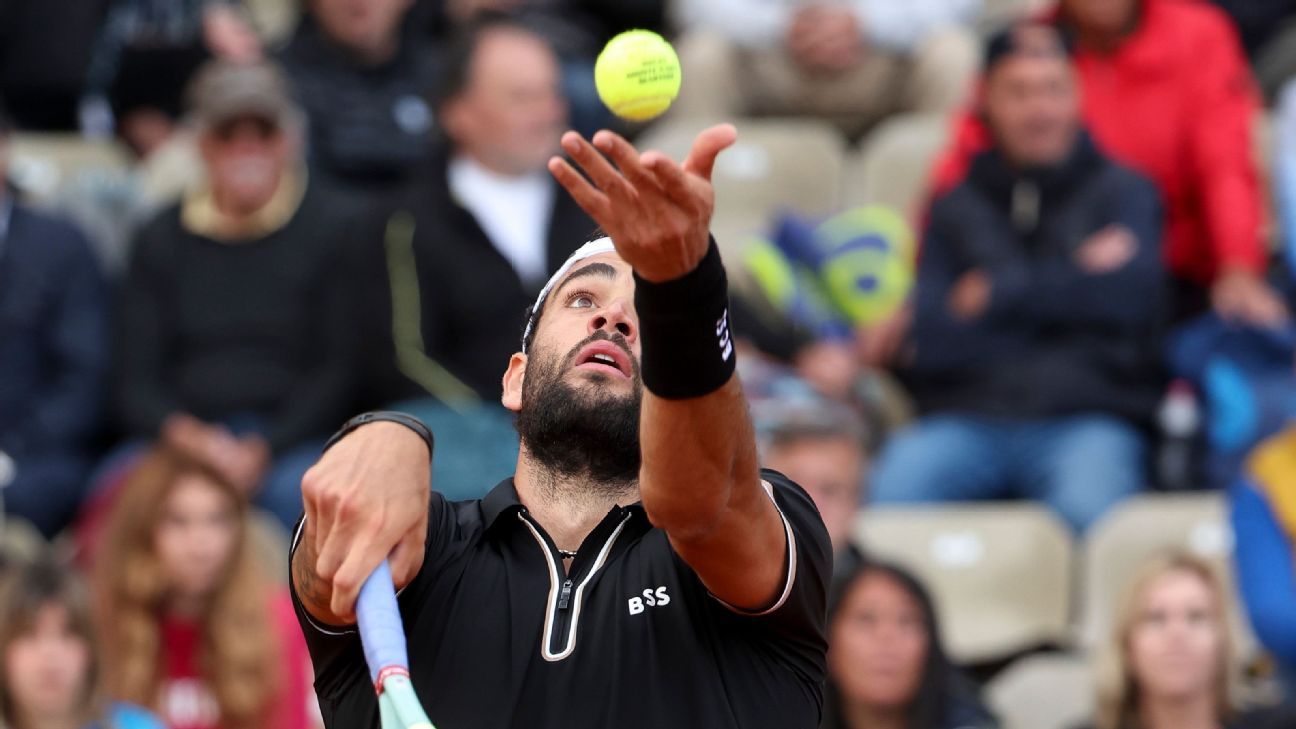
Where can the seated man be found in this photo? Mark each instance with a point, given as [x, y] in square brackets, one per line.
[1033, 352]
[236, 339]
[54, 348]
[364, 85]
[850, 62]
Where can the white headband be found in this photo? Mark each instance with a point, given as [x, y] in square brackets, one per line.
[589, 250]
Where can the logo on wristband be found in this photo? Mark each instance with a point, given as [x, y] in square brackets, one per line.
[722, 333]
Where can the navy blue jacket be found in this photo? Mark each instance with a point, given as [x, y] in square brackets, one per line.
[1055, 339]
[54, 335]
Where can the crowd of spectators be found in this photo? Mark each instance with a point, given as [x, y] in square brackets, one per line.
[362, 213]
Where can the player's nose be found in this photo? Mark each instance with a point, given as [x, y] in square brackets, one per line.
[615, 318]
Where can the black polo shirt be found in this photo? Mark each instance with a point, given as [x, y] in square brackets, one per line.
[500, 637]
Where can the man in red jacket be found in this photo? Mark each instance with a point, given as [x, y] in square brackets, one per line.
[1167, 91]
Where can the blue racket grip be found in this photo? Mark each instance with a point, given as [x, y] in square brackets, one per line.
[381, 630]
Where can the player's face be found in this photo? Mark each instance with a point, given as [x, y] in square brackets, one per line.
[47, 665]
[1032, 105]
[1176, 643]
[196, 536]
[878, 644]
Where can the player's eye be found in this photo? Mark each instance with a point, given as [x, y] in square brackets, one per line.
[580, 300]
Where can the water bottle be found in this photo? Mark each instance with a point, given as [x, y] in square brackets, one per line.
[1180, 421]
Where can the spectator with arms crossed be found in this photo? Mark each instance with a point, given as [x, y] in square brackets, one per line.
[1033, 355]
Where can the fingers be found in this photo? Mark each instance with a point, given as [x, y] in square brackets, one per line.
[708, 145]
[596, 166]
[627, 159]
[673, 182]
[591, 200]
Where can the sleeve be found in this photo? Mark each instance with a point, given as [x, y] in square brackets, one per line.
[900, 26]
[346, 697]
[764, 22]
[1059, 292]
[324, 392]
[1225, 105]
[798, 618]
[78, 333]
[1266, 570]
[143, 397]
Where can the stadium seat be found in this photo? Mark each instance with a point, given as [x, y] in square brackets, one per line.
[997, 13]
[1001, 574]
[893, 166]
[1065, 679]
[19, 540]
[777, 164]
[45, 165]
[1141, 527]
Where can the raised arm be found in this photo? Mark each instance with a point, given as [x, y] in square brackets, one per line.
[700, 481]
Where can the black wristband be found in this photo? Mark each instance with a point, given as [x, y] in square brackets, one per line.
[684, 329]
[390, 416]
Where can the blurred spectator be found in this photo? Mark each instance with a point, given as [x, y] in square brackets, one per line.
[1034, 355]
[143, 59]
[851, 62]
[365, 84]
[194, 629]
[44, 53]
[1169, 662]
[51, 666]
[488, 227]
[1167, 91]
[54, 351]
[1268, 33]
[236, 339]
[821, 445]
[887, 668]
[575, 29]
[1263, 510]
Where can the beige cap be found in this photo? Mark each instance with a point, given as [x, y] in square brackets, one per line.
[222, 90]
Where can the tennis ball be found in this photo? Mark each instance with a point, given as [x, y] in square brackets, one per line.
[637, 75]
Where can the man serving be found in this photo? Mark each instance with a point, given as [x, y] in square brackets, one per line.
[639, 569]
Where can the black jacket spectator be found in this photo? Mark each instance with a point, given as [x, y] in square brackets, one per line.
[54, 351]
[464, 301]
[369, 126]
[1055, 339]
[262, 328]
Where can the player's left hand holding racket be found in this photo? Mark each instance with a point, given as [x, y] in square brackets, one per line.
[383, 634]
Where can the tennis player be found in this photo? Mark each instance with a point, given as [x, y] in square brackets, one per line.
[639, 569]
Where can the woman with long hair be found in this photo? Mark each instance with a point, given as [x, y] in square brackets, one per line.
[50, 663]
[193, 628]
[1168, 663]
[887, 668]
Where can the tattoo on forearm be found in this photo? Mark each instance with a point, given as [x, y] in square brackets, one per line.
[311, 590]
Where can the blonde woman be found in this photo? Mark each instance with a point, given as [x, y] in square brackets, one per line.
[1169, 661]
[191, 626]
[50, 664]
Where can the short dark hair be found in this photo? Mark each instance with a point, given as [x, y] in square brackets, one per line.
[1030, 38]
[457, 57]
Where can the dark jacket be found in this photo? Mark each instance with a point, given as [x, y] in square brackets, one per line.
[54, 340]
[445, 304]
[261, 329]
[1055, 339]
[370, 127]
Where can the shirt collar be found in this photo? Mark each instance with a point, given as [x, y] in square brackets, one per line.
[503, 501]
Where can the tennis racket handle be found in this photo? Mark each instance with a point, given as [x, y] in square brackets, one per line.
[381, 630]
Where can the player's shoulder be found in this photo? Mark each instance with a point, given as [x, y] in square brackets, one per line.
[797, 508]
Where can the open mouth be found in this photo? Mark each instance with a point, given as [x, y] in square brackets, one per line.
[604, 356]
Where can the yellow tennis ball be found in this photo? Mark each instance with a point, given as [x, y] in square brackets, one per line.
[637, 75]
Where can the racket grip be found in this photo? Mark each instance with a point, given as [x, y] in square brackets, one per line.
[381, 630]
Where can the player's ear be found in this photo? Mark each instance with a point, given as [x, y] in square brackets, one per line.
[513, 379]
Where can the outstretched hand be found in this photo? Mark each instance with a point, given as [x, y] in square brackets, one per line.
[657, 212]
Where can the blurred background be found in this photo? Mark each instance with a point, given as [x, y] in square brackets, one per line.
[1013, 283]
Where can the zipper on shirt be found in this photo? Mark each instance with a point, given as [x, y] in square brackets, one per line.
[563, 606]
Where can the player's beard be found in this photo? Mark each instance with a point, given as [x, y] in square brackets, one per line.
[584, 434]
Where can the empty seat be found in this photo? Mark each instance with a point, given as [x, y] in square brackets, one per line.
[1000, 574]
[1043, 691]
[893, 166]
[1126, 537]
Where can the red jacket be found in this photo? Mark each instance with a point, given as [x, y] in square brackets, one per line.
[1176, 102]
